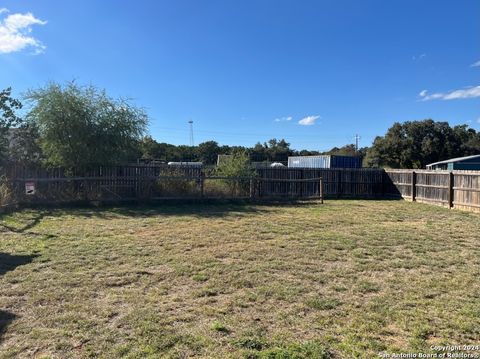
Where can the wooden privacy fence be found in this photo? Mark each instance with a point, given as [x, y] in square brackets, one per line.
[154, 182]
[452, 189]
[457, 189]
[338, 183]
[150, 183]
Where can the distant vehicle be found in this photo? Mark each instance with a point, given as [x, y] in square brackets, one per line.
[277, 164]
[191, 164]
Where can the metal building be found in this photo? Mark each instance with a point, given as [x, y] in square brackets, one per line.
[324, 161]
[460, 163]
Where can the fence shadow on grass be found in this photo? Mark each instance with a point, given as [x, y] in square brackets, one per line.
[206, 209]
[32, 222]
[5, 319]
[201, 210]
[9, 262]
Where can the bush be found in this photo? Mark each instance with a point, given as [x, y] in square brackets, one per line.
[176, 186]
[236, 165]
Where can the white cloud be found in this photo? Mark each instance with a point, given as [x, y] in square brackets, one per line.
[470, 92]
[419, 57]
[283, 119]
[308, 121]
[15, 32]
[478, 120]
[475, 64]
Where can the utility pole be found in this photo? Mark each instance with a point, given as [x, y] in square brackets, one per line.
[357, 138]
[191, 133]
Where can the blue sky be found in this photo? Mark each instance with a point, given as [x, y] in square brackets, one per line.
[313, 72]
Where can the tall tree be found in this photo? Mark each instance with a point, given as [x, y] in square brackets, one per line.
[273, 150]
[414, 144]
[81, 126]
[8, 119]
[25, 145]
[208, 151]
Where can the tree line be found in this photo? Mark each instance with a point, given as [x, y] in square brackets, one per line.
[79, 126]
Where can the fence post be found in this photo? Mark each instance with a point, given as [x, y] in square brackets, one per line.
[339, 183]
[252, 188]
[382, 184]
[202, 180]
[414, 186]
[451, 180]
[321, 190]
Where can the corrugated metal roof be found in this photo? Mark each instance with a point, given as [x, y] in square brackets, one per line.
[458, 159]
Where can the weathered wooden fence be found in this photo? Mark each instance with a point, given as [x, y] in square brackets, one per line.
[457, 189]
[149, 183]
[338, 183]
[160, 182]
[452, 189]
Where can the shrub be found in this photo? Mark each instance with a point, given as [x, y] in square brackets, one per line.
[236, 165]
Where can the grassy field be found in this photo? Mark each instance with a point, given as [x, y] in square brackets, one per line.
[346, 279]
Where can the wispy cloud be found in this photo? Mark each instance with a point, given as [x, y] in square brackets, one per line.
[308, 121]
[475, 64]
[419, 57]
[478, 120]
[15, 32]
[283, 119]
[470, 92]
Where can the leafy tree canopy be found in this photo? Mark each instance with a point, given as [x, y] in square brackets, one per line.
[414, 144]
[8, 106]
[8, 117]
[81, 126]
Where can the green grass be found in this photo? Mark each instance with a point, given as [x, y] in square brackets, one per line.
[346, 279]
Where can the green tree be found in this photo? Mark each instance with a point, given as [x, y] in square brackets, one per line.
[236, 165]
[82, 126]
[414, 144]
[8, 119]
[208, 151]
[25, 145]
[272, 150]
[347, 150]
[151, 149]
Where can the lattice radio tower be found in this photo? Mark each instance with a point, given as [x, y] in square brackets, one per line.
[191, 133]
[357, 138]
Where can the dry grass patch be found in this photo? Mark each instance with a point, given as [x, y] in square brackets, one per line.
[342, 280]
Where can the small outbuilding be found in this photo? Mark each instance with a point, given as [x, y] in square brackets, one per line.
[461, 163]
